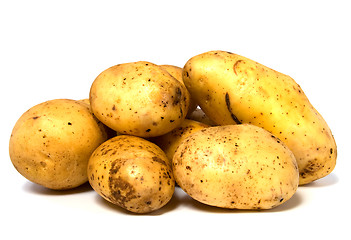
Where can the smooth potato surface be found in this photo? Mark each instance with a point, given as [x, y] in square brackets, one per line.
[139, 98]
[51, 143]
[233, 89]
[237, 167]
[132, 173]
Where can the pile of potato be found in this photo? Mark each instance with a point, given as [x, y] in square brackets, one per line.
[229, 131]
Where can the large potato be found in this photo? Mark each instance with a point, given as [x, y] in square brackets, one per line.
[132, 173]
[234, 89]
[236, 166]
[51, 143]
[170, 141]
[139, 98]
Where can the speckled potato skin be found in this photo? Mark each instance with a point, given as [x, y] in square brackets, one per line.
[132, 173]
[234, 89]
[177, 73]
[51, 143]
[237, 167]
[139, 98]
[170, 141]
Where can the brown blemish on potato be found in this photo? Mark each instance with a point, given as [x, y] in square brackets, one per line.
[121, 190]
[36, 117]
[235, 65]
[178, 96]
[310, 169]
[227, 102]
[159, 160]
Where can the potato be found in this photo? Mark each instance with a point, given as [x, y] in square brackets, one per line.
[237, 167]
[170, 141]
[51, 143]
[132, 173]
[139, 98]
[177, 73]
[233, 89]
[200, 116]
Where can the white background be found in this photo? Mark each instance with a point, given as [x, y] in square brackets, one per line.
[55, 49]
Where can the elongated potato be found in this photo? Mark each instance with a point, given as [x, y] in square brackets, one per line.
[236, 166]
[234, 89]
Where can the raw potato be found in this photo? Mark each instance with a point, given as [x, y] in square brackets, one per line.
[177, 73]
[236, 166]
[139, 98]
[233, 89]
[132, 173]
[51, 143]
[170, 141]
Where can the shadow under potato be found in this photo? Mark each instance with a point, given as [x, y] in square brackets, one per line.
[38, 189]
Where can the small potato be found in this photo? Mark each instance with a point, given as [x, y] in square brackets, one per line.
[236, 166]
[170, 141]
[51, 143]
[177, 73]
[139, 98]
[200, 116]
[132, 173]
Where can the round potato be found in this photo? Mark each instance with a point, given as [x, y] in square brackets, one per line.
[132, 173]
[139, 98]
[177, 73]
[51, 143]
[170, 141]
[236, 166]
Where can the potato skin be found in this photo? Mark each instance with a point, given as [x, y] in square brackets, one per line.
[237, 167]
[139, 98]
[177, 73]
[234, 89]
[132, 173]
[51, 143]
[170, 141]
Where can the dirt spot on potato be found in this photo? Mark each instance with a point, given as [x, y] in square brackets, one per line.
[121, 190]
[227, 102]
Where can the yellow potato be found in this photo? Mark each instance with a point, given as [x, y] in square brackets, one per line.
[132, 173]
[177, 73]
[139, 98]
[51, 143]
[237, 167]
[170, 141]
[233, 89]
